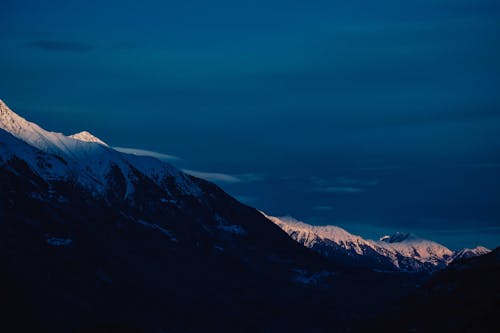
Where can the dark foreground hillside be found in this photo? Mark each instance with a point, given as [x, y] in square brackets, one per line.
[72, 262]
[465, 297]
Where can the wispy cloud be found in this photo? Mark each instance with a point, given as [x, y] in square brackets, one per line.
[486, 165]
[218, 177]
[61, 46]
[322, 208]
[492, 165]
[359, 182]
[342, 189]
[213, 176]
[342, 185]
[143, 152]
[378, 168]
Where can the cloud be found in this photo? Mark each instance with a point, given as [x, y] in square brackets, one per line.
[213, 176]
[318, 181]
[342, 189]
[223, 177]
[492, 165]
[380, 168]
[143, 152]
[61, 46]
[343, 185]
[322, 208]
[216, 177]
[359, 182]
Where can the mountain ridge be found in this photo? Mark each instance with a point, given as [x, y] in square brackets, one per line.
[89, 235]
[401, 251]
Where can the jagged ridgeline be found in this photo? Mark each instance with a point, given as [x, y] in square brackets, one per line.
[96, 240]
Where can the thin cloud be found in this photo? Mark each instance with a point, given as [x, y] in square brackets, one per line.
[214, 176]
[343, 185]
[480, 165]
[143, 152]
[218, 177]
[380, 168]
[359, 182]
[342, 189]
[61, 46]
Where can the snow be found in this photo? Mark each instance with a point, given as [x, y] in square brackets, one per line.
[88, 137]
[84, 157]
[154, 226]
[58, 241]
[309, 235]
[402, 245]
[225, 226]
[303, 277]
[468, 253]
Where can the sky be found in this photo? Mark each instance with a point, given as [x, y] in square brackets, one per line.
[377, 116]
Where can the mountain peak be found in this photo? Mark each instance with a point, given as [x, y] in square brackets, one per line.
[468, 253]
[15, 124]
[398, 237]
[5, 111]
[88, 137]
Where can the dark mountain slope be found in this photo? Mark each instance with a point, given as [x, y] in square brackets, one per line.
[92, 239]
[465, 297]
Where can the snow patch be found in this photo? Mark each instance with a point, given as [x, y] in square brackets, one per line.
[159, 228]
[58, 241]
[303, 277]
[88, 137]
[224, 225]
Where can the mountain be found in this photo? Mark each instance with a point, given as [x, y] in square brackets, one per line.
[96, 240]
[400, 252]
[463, 297]
[87, 161]
[470, 253]
[92, 239]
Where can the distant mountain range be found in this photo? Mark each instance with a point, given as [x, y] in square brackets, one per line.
[96, 240]
[400, 252]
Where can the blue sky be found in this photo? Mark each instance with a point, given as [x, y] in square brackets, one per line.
[376, 116]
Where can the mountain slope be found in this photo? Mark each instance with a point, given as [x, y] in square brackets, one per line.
[90, 162]
[93, 240]
[90, 237]
[470, 253]
[464, 297]
[402, 252]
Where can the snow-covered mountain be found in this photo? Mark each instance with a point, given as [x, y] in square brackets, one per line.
[470, 253]
[90, 234]
[91, 237]
[401, 251]
[89, 161]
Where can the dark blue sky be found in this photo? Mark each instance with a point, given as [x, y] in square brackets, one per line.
[377, 116]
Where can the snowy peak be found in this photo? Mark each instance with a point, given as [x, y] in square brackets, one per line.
[16, 125]
[312, 236]
[469, 253]
[401, 251]
[34, 135]
[398, 237]
[89, 161]
[88, 137]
